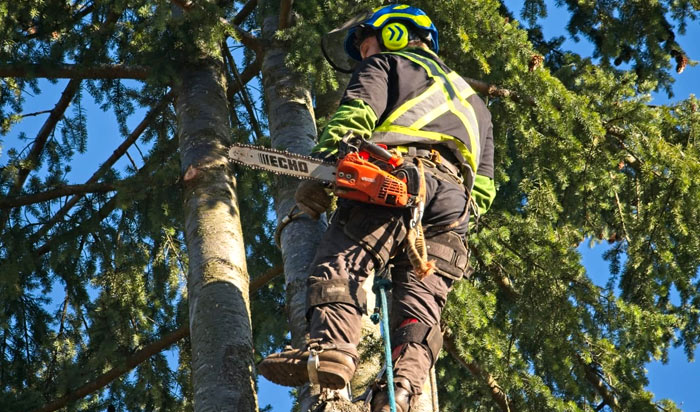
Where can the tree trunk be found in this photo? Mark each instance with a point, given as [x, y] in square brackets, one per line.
[219, 308]
[292, 127]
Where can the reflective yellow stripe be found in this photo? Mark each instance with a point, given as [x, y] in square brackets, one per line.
[473, 140]
[434, 136]
[420, 133]
[430, 116]
[465, 92]
[473, 137]
[411, 103]
[470, 123]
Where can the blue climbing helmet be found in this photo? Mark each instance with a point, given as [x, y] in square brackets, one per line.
[394, 26]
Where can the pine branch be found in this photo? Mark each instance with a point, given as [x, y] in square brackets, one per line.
[35, 31]
[495, 390]
[107, 165]
[599, 384]
[143, 354]
[23, 115]
[123, 367]
[47, 128]
[107, 208]
[10, 202]
[251, 71]
[243, 36]
[32, 159]
[591, 375]
[265, 278]
[285, 14]
[77, 71]
[492, 90]
[242, 14]
[625, 233]
[619, 135]
[501, 278]
[246, 38]
[245, 12]
[245, 97]
[81, 228]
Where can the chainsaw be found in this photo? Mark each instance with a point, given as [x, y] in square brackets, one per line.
[365, 171]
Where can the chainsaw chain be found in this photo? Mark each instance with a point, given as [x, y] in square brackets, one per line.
[282, 152]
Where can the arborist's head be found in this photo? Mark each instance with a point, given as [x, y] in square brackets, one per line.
[394, 27]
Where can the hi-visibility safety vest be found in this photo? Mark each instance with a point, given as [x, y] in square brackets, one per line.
[410, 122]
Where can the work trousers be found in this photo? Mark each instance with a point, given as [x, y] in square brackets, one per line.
[364, 238]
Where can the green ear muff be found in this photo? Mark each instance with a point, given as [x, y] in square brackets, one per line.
[395, 36]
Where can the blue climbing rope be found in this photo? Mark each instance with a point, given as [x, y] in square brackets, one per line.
[381, 284]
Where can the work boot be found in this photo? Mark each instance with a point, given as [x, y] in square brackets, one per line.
[402, 397]
[289, 368]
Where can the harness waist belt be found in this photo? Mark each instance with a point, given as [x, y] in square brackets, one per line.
[446, 158]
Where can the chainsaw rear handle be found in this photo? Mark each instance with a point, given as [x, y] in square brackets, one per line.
[409, 173]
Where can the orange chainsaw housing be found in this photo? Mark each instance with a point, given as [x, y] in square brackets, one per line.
[359, 179]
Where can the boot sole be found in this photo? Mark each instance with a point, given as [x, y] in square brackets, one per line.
[293, 372]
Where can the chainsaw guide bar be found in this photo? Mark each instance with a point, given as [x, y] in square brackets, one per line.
[367, 173]
[282, 163]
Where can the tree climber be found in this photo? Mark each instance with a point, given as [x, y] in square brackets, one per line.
[402, 95]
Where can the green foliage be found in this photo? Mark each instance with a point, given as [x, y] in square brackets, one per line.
[639, 33]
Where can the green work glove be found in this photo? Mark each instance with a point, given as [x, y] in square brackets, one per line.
[312, 198]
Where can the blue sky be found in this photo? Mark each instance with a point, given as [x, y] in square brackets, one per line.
[677, 380]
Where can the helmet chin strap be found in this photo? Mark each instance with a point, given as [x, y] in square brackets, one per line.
[378, 35]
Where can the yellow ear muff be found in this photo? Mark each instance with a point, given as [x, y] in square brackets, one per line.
[395, 36]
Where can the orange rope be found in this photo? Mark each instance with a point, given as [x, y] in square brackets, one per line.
[416, 248]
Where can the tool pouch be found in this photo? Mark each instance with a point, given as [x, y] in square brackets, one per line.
[450, 253]
[379, 230]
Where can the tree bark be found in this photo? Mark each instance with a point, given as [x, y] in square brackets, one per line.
[219, 308]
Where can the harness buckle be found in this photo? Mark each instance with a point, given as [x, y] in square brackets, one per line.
[312, 365]
[435, 156]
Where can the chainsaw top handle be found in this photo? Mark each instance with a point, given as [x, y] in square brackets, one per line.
[353, 143]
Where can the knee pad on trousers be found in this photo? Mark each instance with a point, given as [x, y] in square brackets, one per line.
[324, 292]
[411, 331]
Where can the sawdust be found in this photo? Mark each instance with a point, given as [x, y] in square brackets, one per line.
[339, 405]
